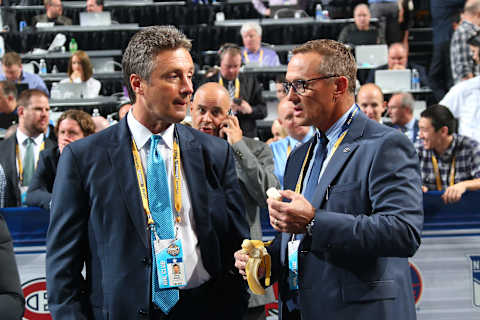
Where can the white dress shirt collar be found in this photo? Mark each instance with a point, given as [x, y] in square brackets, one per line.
[141, 135]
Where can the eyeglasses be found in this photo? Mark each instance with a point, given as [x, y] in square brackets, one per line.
[299, 86]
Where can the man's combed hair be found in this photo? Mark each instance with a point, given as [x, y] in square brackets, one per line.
[26, 95]
[11, 59]
[336, 59]
[83, 119]
[139, 57]
[440, 116]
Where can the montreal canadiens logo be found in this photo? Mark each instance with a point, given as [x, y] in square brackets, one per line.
[36, 303]
[417, 282]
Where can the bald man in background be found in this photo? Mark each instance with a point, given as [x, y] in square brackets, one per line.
[371, 102]
[210, 111]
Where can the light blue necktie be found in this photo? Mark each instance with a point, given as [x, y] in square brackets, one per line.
[161, 209]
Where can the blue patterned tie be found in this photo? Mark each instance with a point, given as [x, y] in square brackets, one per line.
[318, 159]
[161, 209]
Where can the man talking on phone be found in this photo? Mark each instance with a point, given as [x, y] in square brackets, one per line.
[244, 90]
[211, 114]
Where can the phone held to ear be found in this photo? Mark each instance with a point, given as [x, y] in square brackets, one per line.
[237, 101]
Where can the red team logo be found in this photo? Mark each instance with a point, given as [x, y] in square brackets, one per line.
[36, 303]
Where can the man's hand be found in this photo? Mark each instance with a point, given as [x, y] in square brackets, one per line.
[424, 189]
[290, 217]
[244, 107]
[454, 193]
[231, 128]
[241, 259]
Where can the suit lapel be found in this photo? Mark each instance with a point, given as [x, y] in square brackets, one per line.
[339, 159]
[121, 159]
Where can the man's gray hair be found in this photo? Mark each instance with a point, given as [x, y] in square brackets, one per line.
[247, 26]
[139, 56]
[407, 100]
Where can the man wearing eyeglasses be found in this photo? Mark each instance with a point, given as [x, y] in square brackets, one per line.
[352, 206]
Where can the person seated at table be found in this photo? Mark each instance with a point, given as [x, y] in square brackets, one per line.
[448, 161]
[80, 70]
[97, 6]
[123, 109]
[8, 104]
[71, 126]
[253, 54]
[278, 132]
[398, 60]
[361, 32]
[13, 71]
[54, 11]
[260, 7]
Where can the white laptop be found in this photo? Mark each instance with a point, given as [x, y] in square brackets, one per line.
[95, 19]
[68, 90]
[373, 55]
[393, 80]
[103, 65]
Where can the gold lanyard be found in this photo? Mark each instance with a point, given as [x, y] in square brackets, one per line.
[237, 86]
[345, 127]
[19, 161]
[289, 149]
[143, 185]
[437, 172]
[247, 60]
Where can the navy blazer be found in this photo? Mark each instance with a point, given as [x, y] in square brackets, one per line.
[8, 159]
[97, 218]
[40, 189]
[368, 220]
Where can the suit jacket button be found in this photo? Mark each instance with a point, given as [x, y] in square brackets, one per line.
[147, 261]
[303, 252]
[142, 312]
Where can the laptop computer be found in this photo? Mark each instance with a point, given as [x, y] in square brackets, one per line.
[95, 19]
[373, 55]
[103, 65]
[393, 80]
[68, 90]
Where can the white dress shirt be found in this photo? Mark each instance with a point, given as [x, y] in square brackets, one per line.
[22, 145]
[195, 272]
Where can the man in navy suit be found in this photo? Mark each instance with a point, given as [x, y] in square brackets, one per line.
[400, 110]
[356, 212]
[98, 214]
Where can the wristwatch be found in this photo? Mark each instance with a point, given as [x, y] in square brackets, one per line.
[309, 227]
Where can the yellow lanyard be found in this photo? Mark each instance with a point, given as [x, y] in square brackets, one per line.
[237, 86]
[19, 160]
[437, 172]
[247, 60]
[143, 185]
[345, 127]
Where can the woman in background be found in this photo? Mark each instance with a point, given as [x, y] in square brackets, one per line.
[80, 70]
[71, 126]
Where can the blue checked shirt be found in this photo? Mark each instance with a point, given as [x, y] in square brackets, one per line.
[460, 54]
[467, 162]
[3, 187]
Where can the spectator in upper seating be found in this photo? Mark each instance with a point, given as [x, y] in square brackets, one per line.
[13, 71]
[371, 102]
[361, 32]
[94, 5]
[400, 110]
[246, 92]
[463, 101]
[253, 54]
[80, 70]
[8, 104]
[54, 11]
[20, 151]
[398, 60]
[297, 135]
[260, 7]
[389, 10]
[448, 161]
[462, 63]
[71, 126]
[278, 132]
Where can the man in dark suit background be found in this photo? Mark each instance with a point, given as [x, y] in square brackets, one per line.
[356, 213]
[11, 296]
[99, 213]
[400, 110]
[246, 92]
[33, 116]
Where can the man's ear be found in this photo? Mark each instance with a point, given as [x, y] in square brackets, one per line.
[444, 130]
[341, 85]
[20, 110]
[136, 84]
